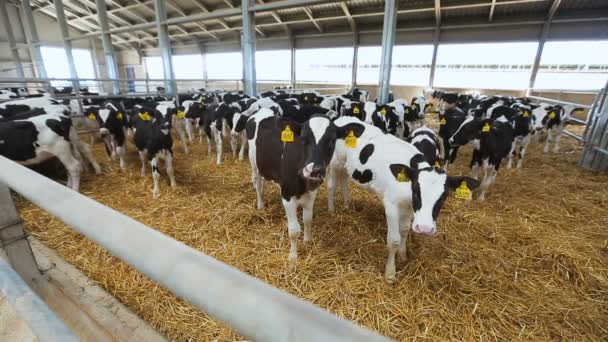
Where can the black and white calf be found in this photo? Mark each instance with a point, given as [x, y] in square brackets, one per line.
[112, 129]
[387, 119]
[449, 122]
[217, 123]
[428, 143]
[522, 133]
[411, 189]
[553, 120]
[493, 139]
[295, 157]
[32, 140]
[153, 141]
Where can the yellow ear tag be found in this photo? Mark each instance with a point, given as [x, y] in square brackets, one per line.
[463, 192]
[144, 116]
[437, 165]
[92, 117]
[526, 114]
[486, 128]
[443, 121]
[180, 114]
[287, 135]
[552, 115]
[305, 98]
[351, 140]
[119, 116]
[383, 111]
[407, 110]
[356, 110]
[402, 177]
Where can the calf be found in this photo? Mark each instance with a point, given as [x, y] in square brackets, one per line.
[553, 120]
[295, 157]
[449, 122]
[522, 133]
[493, 141]
[38, 138]
[411, 189]
[428, 143]
[178, 115]
[386, 118]
[217, 123]
[112, 129]
[153, 141]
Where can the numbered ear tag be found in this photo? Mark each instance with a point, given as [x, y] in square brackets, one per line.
[552, 115]
[463, 192]
[486, 128]
[119, 116]
[383, 111]
[526, 114]
[92, 117]
[356, 110]
[443, 121]
[351, 140]
[402, 177]
[180, 114]
[287, 135]
[144, 116]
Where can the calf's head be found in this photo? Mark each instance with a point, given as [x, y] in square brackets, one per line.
[472, 128]
[318, 135]
[430, 187]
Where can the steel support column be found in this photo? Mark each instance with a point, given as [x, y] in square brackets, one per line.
[434, 60]
[165, 46]
[108, 50]
[11, 39]
[541, 42]
[203, 50]
[355, 58]
[388, 41]
[34, 43]
[292, 47]
[248, 48]
[67, 44]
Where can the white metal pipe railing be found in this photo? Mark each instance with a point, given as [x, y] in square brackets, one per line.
[560, 101]
[252, 308]
[39, 318]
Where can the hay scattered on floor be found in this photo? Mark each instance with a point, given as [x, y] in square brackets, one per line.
[530, 263]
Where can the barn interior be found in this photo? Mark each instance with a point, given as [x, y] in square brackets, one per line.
[529, 262]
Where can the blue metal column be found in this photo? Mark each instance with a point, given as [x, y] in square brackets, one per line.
[248, 48]
[108, 50]
[388, 41]
[165, 46]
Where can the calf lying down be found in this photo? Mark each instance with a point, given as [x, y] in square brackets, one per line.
[411, 190]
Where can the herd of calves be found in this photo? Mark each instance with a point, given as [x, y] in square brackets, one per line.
[299, 139]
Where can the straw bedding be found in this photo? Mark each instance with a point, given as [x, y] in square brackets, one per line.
[530, 263]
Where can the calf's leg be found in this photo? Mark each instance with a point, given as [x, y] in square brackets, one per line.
[307, 212]
[405, 224]
[243, 139]
[343, 179]
[218, 146]
[549, 140]
[393, 239]
[293, 227]
[179, 127]
[73, 166]
[155, 176]
[169, 166]
[120, 152]
[522, 151]
[332, 178]
[143, 155]
[558, 136]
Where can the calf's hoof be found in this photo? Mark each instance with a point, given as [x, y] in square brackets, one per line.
[402, 254]
[155, 194]
[292, 263]
[390, 279]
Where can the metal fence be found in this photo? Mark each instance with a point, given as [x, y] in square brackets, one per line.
[251, 307]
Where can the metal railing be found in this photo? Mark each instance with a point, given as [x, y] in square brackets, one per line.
[251, 307]
[595, 137]
[39, 318]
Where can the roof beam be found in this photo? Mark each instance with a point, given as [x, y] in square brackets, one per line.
[349, 17]
[314, 21]
[491, 16]
[181, 12]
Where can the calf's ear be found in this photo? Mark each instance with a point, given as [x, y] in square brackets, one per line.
[454, 182]
[294, 126]
[403, 173]
[343, 131]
